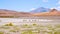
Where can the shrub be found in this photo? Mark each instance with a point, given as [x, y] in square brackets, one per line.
[10, 24]
[34, 24]
[12, 31]
[1, 32]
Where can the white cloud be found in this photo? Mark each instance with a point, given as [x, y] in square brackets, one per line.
[58, 2]
[56, 8]
[33, 9]
[45, 0]
[53, 8]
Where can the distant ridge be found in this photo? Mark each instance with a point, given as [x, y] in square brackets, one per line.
[40, 10]
[52, 12]
[11, 13]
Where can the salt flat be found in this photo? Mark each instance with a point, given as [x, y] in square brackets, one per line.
[29, 20]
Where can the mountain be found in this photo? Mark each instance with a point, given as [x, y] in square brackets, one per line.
[41, 9]
[11, 13]
[52, 12]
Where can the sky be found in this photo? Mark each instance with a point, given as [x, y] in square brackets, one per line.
[28, 5]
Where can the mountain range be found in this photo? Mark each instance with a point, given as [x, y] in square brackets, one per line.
[37, 12]
[40, 10]
[52, 12]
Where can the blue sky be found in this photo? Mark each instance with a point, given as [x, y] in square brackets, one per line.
[28, 5]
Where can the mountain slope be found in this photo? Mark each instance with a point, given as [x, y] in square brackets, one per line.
[11, 13]
[4, 12]
[53, 12]
[41, 9]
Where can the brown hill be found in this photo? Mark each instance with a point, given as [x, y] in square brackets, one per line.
[11, 13]
[53, 12]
